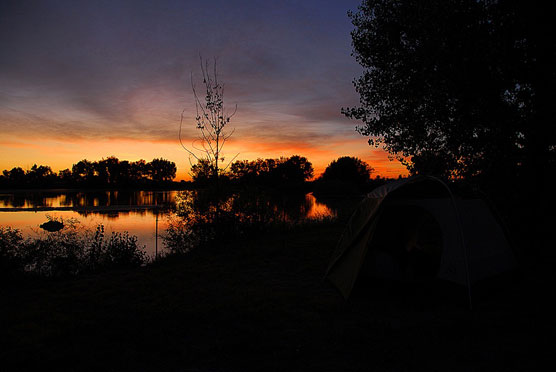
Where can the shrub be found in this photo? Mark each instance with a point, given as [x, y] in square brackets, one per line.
[10, 240]
[70, 251]
[121, 250]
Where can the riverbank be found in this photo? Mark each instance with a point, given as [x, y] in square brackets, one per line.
[262, 305]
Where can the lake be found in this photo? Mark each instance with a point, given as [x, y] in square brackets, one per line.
[134, 211]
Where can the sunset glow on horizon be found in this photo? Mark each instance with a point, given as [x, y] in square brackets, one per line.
[62, 154]
[88, 81]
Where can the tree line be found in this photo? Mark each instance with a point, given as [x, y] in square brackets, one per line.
[263, 172]
[108, 172]
[345, 175]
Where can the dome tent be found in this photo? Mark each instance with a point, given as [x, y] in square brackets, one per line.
[457, 239]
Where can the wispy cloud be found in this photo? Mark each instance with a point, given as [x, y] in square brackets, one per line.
[94, 71]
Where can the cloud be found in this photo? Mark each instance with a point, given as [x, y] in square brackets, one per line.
[92, 71]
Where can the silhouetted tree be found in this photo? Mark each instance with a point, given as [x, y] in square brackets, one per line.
[348, 169]
[161, 170]
[252, 172]
[459, 87]
[242, 170]
[40, 175]
[272, 172]
[138, 170]
[106, 172]
[212, 119]
[344, 176]
[15, 176]
[202, 172]
[296, 169]
[65, 176]
[83, 171]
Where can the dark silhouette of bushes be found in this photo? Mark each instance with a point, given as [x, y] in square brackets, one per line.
[10, 260]
[70, 251]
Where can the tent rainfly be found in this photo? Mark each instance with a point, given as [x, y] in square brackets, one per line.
[415, 227]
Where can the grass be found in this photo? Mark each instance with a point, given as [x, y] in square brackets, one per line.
[261, 304]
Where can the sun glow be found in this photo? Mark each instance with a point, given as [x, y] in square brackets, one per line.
[62, 154]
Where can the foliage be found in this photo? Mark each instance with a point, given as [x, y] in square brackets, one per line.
[459, 87]
[295, 169]
[105, 172]
[202, 172]
[179, 237]
[10, 240]
[348, 169]
[284, 171]
[344, 176]
[161, 170]
[70, 251]
[272, 172]
[39, 175]
[121, 250]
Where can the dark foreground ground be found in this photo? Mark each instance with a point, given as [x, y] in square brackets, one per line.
[261, 305]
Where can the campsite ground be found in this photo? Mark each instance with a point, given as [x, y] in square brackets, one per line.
[262, 305]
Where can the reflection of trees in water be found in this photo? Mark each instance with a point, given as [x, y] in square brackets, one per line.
[342, 207]
[12, 200]
[255, 205]
[26, 199]
[117, 213]
[112, 215]
[251, 204]
[202, 218]
[318, 209]
[100, 198]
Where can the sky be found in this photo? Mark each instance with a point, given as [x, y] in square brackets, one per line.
[91, 79]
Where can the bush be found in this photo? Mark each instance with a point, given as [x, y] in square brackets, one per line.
[70, 251]
[10, 240]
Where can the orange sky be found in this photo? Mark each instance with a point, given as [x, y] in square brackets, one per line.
[62, 153]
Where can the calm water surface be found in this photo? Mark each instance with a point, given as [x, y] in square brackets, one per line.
[132, 211]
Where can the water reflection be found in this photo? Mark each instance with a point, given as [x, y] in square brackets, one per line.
[56, 199]
[272, 206]
[135, 211]
[317, 209]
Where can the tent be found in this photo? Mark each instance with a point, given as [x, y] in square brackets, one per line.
[415, 228]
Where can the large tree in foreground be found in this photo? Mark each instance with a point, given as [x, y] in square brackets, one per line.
[458, 88]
